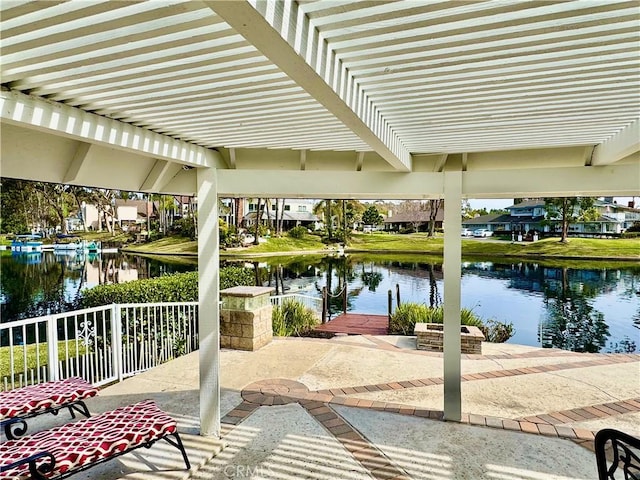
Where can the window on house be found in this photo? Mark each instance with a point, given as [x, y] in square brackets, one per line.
[252, 207]
[302, 208]
[287, 208]
[273, 206]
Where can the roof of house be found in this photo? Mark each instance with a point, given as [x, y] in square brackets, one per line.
[413, 217]
[536, 202]
[490, 218]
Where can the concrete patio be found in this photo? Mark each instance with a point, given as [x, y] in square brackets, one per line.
[363, 407]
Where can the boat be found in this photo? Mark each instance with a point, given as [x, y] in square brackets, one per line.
[26, 244]
[92, 247]
[67, 245]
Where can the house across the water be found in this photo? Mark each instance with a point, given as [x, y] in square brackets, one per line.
[530, 215]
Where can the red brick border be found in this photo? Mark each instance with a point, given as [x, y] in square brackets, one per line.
[370, 457]
[318, 404]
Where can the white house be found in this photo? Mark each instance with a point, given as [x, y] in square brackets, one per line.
[530, 215]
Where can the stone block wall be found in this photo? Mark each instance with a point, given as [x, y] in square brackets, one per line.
[245, 318]
[429, 336]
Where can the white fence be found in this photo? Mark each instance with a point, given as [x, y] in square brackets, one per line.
[312, 303]
[101, 344]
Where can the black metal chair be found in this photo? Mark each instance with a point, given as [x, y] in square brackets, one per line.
[624, 459]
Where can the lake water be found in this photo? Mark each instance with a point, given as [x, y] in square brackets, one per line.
[595, 308]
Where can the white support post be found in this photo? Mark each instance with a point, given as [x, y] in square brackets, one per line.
[209, 309]
[52, 348]
[452, 276]
[116, 341]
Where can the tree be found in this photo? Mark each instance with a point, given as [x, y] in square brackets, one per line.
[569, 210]
[372, 216]
[434, 207]
[104, 199]
[417, 212]
[14, 217]
[259, 212]
[323, 210]
[280, 222]
[79, 195]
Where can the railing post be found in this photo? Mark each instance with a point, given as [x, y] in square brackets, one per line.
[116, 340]
[397, 295]
[324, 304]
[344, 299]
[52, 348]
[390, 303]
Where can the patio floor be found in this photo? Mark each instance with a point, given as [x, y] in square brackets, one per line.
[362, 407]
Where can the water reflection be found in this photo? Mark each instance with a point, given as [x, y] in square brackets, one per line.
[33, 285]
[584, 309]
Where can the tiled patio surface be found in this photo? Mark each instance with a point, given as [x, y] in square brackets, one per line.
[371, 407]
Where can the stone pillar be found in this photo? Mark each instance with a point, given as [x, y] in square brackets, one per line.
[245, 319]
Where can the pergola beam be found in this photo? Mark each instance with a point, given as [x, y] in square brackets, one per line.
[75, 168]
[624, 143]
[50, 117]
[619, 180]
[286, 36]
[160, 174]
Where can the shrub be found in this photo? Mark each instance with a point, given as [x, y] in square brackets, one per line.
[497, 332]
[185, 227]
[634, 228]
[228, 235]
[404, 319]
[232, 276]
[297, 232]
[178, 287]
[292, 318]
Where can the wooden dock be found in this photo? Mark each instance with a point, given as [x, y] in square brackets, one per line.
[356, 324]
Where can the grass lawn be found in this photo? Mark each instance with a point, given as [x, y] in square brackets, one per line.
[284, 244]
[549, 247]
[32, 354]
[579, 248]
[167, 245]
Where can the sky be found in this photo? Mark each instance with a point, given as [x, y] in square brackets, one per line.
[506, 202]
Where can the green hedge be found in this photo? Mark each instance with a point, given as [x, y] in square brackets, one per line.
[178, 287]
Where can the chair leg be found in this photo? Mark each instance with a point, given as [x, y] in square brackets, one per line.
[178, 444]
[79, 407]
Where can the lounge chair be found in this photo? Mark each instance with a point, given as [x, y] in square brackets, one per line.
[617, 455]
[50, 397]
[62, 451]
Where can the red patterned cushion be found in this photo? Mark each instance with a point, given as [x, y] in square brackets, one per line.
[34, 398]
[80, 443]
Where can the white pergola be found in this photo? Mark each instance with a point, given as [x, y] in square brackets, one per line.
[323, 99]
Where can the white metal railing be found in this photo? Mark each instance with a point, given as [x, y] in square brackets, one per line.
[312, 303]
[100, 344]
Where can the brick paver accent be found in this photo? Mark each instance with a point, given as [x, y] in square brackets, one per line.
[372, 459]
[318, 404]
